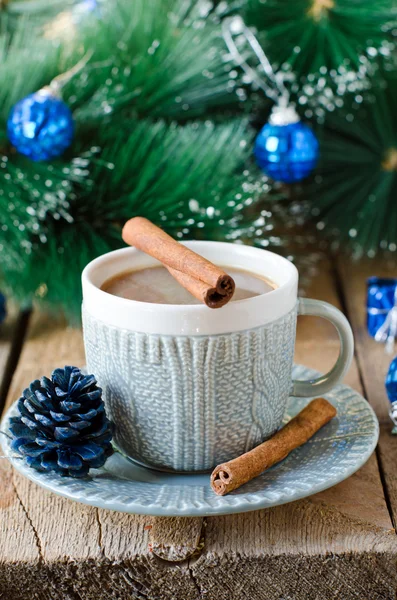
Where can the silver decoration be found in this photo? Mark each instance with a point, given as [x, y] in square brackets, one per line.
[283, 113]
[56, 85]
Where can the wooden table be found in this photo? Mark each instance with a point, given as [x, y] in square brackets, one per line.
[340, 543]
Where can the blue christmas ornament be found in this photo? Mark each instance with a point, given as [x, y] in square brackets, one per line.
[41, 126]
[391, 389]
[286, 149]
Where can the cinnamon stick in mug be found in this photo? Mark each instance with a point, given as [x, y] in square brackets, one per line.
[231, 475]
[204, 280]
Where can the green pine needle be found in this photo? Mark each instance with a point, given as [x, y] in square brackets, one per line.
[190, 180]
[158, 58]
[352, 197]
[23, 71]
[151, 58]
[310, 34]
[155, 64]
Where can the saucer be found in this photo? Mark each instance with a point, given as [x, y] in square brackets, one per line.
[332, 455]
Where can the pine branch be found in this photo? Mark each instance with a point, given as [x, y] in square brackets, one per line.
[193, 179]
[29, 203]
[326, 48]
[33, 8]
[35, 13]
[310, 34]
[22, 70]
[158, 58]
[186, 179]
[353, 195]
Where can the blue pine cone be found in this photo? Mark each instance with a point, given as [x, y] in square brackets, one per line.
[62, 425]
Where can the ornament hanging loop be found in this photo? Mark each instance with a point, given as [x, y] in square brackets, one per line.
[61, 80]
[285, 149]
[234, 28]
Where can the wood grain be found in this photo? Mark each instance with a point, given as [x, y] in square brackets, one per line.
[337, 544]
[307, 550]
[176, 538]
[7, 331]
[372, 358]
[11, 337]
[61, 549]
[374, 363]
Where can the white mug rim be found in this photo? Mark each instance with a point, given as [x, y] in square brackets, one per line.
[195, 319]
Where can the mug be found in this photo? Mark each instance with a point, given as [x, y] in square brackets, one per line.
[188, 387]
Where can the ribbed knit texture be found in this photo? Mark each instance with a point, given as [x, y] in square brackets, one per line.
[190, 402]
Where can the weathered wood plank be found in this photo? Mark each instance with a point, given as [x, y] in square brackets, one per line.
[387, 452]
[175, 538]
[373, 360]
[374, 364]
[336, 544]
[47, 526]
[133, 569]
[305, 551]
[12, 332]
[60, 549]
[7, 336]
[18, 542]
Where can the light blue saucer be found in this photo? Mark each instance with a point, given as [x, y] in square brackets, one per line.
[333, 454]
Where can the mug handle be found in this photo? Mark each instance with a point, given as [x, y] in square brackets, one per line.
[321, 385]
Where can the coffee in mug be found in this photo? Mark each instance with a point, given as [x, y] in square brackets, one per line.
[157, 285]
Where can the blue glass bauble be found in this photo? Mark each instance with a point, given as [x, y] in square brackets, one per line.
[287, 153]
[40, 126]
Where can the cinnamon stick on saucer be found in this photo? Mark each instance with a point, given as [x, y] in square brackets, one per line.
[233, 474]
[204, 280]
